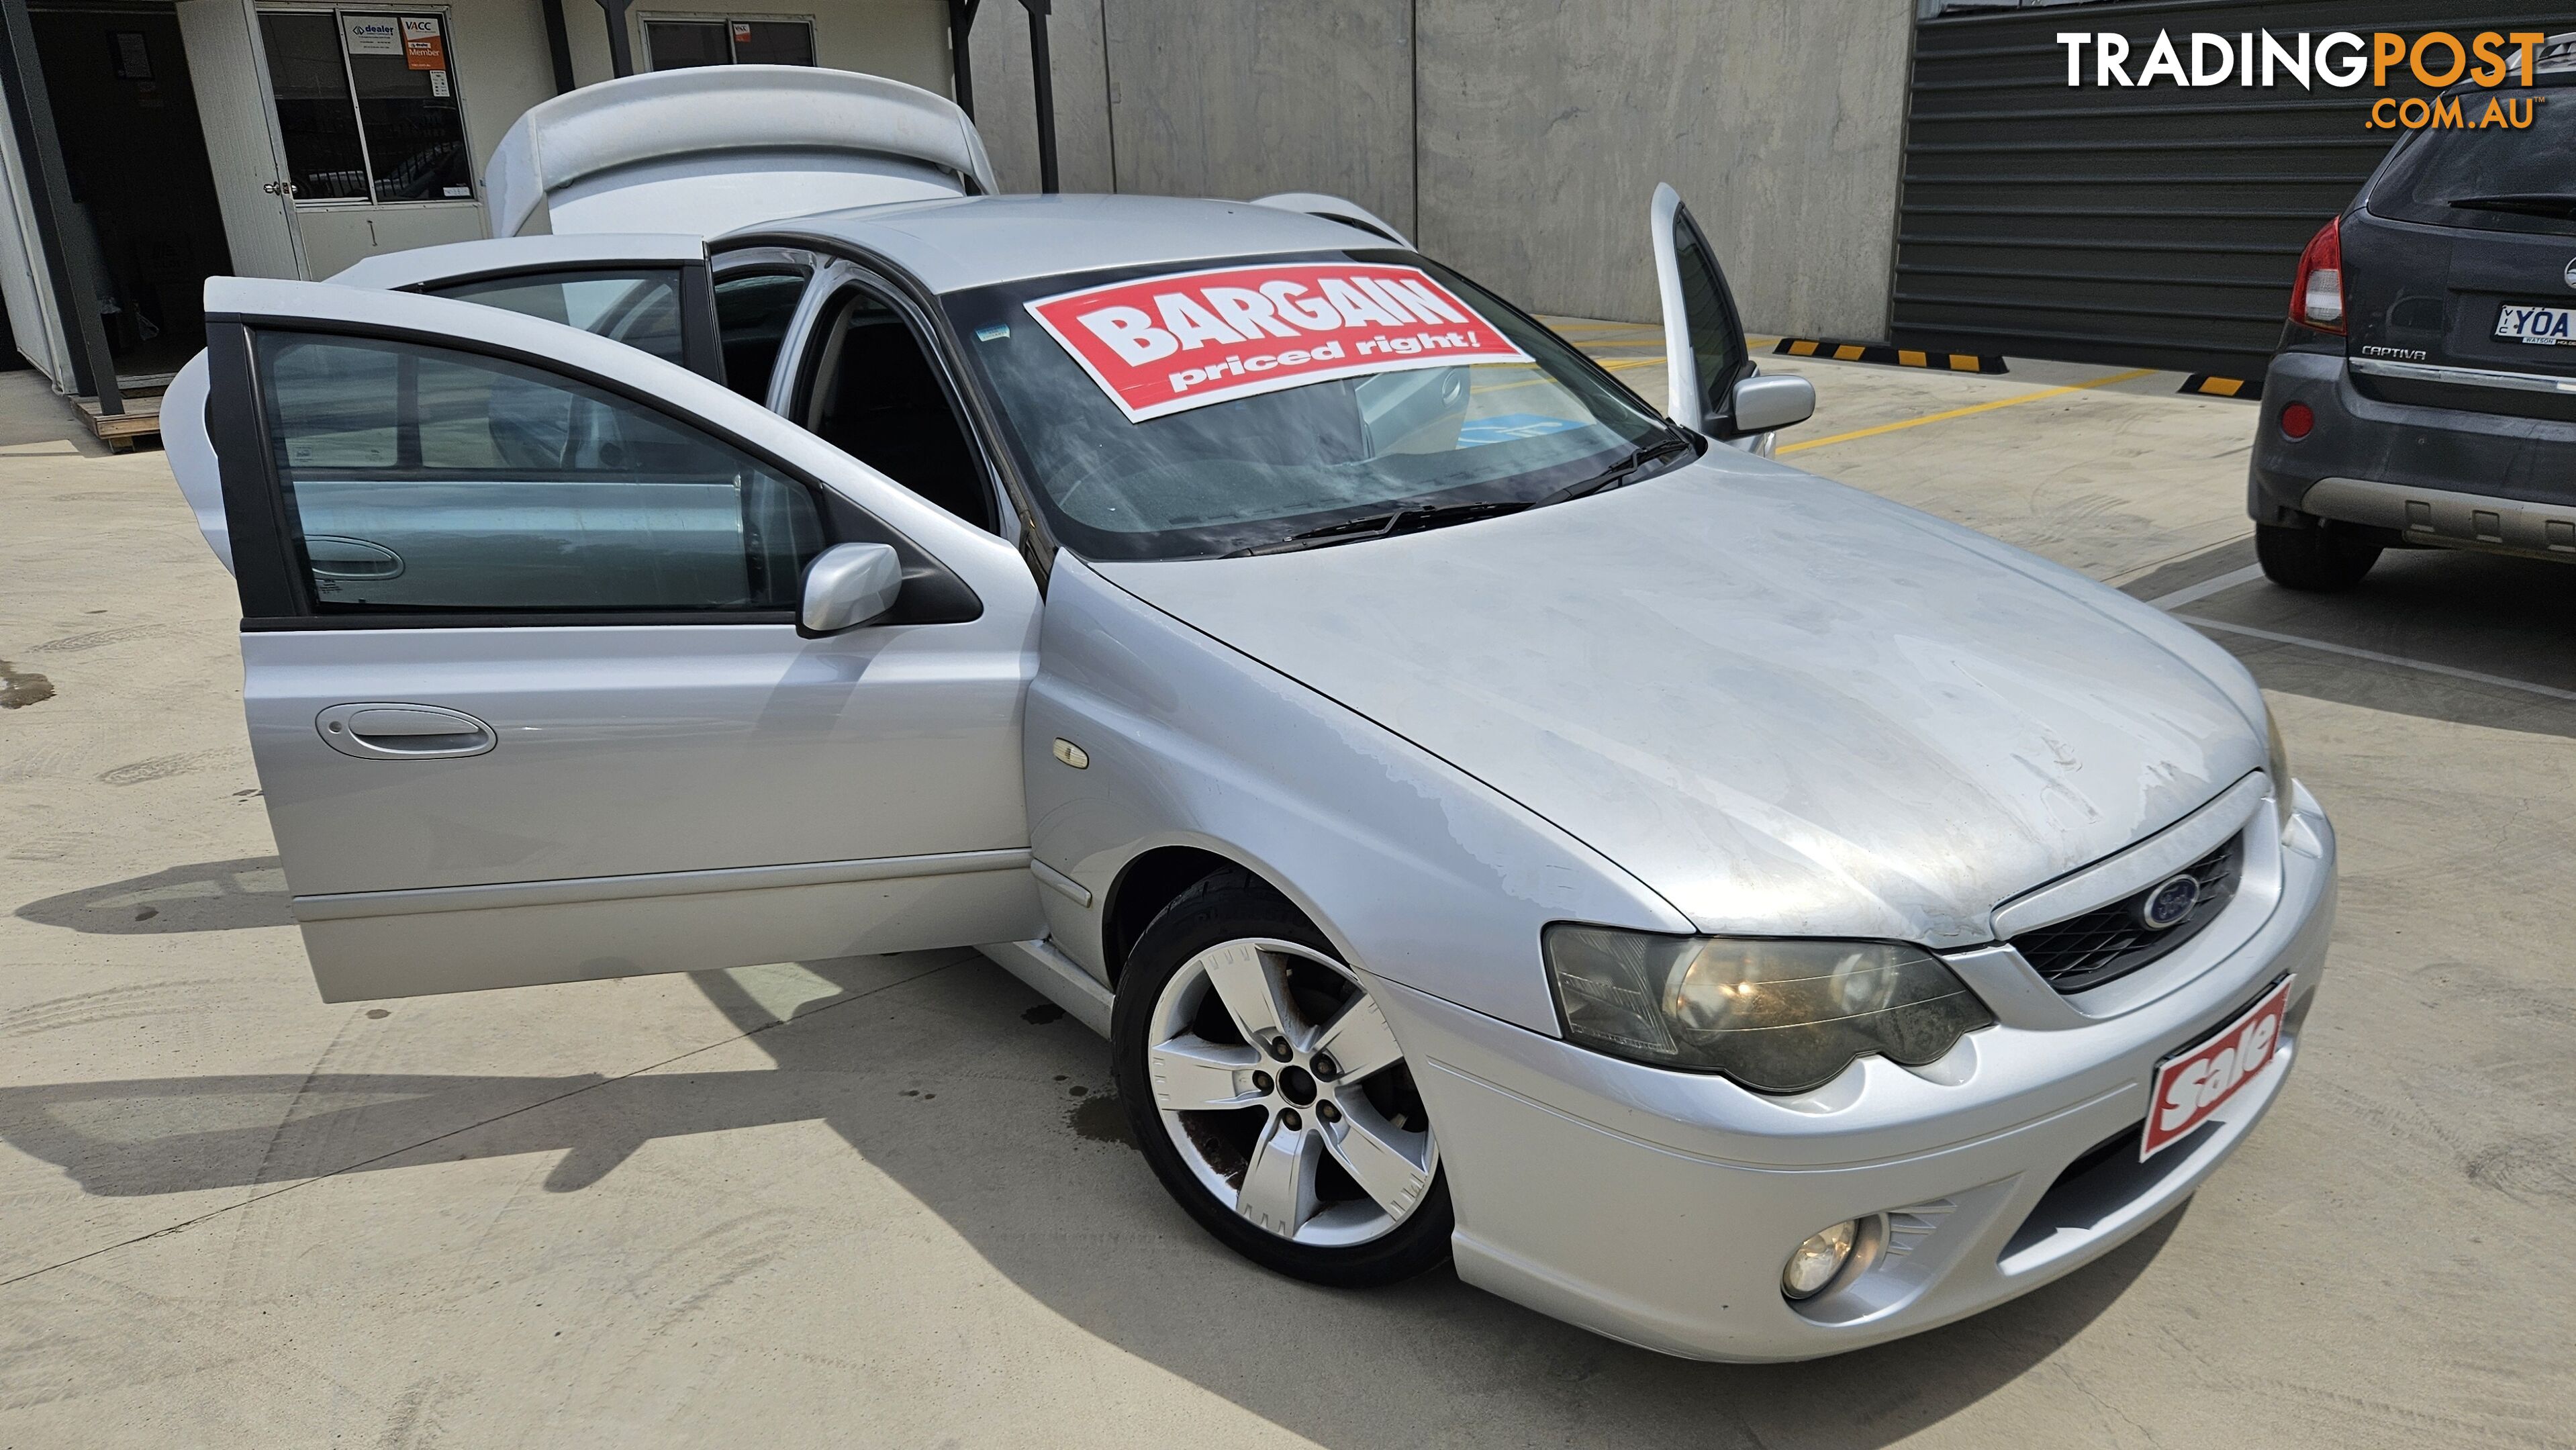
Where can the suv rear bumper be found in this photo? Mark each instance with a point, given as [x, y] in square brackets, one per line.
[2440, 476]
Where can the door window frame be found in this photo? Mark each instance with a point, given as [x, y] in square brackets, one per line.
[792, 379]
[275, 583]
[644, 30]
[1022, 526]
[701, 340]
[1687, 227]
[771, 258]
[349, 79]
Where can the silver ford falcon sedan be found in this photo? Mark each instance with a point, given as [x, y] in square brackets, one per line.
[1493, 817]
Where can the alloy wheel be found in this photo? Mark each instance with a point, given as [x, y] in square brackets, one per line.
[1281, 1085]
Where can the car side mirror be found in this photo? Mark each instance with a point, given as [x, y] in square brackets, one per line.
[848, 585]
[1777, 401]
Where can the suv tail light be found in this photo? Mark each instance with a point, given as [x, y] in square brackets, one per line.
[2316, 298]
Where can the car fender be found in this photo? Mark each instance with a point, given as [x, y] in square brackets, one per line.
[1414, 870]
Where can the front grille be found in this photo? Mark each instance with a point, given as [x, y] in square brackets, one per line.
[2110, 942]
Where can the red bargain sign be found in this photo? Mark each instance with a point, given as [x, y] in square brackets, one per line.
[1166, 344]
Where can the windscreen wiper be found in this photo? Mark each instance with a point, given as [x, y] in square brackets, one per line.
[1386, 525]
[1636, 465]
[2560, 204]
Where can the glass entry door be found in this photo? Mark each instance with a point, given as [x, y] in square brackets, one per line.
[372, 124]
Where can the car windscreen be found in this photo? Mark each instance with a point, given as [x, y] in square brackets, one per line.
[1159, 471]
[2492, 178]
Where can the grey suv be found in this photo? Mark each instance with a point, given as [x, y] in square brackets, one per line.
[2425, 390]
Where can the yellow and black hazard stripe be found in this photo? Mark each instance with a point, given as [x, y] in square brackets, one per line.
[2211, 385]
[1876, 352]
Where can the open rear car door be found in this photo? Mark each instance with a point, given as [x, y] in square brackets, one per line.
[647, 290]
[1711, 381]
[714, 149]
[561, 661]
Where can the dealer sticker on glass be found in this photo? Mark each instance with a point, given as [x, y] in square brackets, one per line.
[1162, 345]
[2192, 1085]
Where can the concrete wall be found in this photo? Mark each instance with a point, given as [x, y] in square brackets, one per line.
[498, 48]
[1240, 98]
[1545, 125]
[1005, 106]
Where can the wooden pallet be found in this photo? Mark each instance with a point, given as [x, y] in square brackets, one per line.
[140, 422]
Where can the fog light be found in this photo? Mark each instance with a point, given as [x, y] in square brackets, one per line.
[1817, 1260]
[2297, 419]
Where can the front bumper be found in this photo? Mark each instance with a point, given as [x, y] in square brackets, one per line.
[1658, 1207]
[2429, 475]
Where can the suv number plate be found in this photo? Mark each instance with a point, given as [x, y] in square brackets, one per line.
[2546, 326]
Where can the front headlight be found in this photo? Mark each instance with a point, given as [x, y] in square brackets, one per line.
[1778, 1016]
[2276, 764]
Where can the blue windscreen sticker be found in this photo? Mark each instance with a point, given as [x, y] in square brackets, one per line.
[1505, 427]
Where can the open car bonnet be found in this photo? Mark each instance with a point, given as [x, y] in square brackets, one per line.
[1791, 708]
[714, 148]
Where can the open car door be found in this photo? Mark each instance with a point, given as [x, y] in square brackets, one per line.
[647, 290]
[716, 148]
[1711, 381]
[534, 672]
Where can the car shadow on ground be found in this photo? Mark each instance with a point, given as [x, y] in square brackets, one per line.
[989, 1107]
[205, 896]
[2510, 618]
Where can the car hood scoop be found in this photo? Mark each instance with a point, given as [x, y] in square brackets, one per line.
[1789, 707]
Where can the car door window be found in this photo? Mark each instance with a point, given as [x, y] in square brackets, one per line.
[1716, 337]
[872, 391]
[753, 310]
[422, 479]
[640, 309]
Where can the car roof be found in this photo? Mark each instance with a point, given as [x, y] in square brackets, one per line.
[951, 244]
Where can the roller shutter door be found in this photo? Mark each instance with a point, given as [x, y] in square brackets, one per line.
[2157, 227]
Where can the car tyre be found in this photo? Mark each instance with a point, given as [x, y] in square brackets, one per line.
[2315, 559]
[1228, 1015]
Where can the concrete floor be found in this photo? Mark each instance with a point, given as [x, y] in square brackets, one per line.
[887, 1202]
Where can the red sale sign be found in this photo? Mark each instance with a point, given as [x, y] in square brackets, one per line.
[2191, 1086]
[1163, 345]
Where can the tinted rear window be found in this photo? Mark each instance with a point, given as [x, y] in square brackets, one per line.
[2433, 170]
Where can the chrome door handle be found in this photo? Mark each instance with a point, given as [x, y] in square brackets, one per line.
[278, 188]
[403, 732]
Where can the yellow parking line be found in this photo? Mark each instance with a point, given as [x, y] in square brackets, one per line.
[2103, 382]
